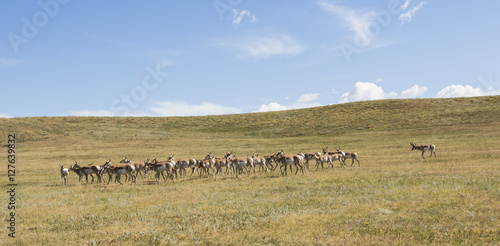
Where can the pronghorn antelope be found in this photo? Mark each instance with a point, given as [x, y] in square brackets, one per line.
[205, 164]
[119, 170]
[345, 155]
[139, 166]
[302, 157]
[183, 164]
[350, 155]
[423, 148]
[64, 174]
[243, 162]
[77, 171]
[309, 156]
[261, 162]
[289, 160]
[89, 170]
[325, 151]
[223, 162]
[321, 159]
[160, 166]
[157, 167]
[270, 159]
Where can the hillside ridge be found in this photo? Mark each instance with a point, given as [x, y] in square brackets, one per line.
[389, 114]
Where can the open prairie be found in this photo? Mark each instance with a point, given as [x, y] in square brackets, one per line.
[393, 197]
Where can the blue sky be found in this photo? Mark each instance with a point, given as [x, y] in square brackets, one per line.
[177, 58]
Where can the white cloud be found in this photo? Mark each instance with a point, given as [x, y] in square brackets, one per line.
[379, 80]
[261, 47]
[274, 106]
[308, 98]
[365, 91]
[408, 15]
[5, 116]
[304, 101]
[238, 16]
[465, 91]
[357, 21]
[186, 109]
[406, 4]
[414, 91]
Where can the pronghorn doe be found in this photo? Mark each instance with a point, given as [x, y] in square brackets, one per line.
[423, 148]
[64, 174]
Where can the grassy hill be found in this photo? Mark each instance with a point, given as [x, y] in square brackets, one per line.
[378, 115]
[395, 197]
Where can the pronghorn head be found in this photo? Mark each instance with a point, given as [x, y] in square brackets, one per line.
[228, 154]
[209, 156]
[280, 153]
[413, 146]
[171, 157]
[325, 150]
[124, 160]
[62, 167]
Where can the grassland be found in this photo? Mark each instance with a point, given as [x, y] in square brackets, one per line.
[395, 197]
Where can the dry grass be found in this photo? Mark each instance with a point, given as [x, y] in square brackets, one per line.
[395, 197]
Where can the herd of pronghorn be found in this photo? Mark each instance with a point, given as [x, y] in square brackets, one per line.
[172, 168]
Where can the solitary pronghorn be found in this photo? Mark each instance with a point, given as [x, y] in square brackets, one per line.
[423, 148]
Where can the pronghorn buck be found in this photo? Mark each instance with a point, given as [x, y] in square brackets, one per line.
[64, 174]
[119, 170]
[423, 148]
